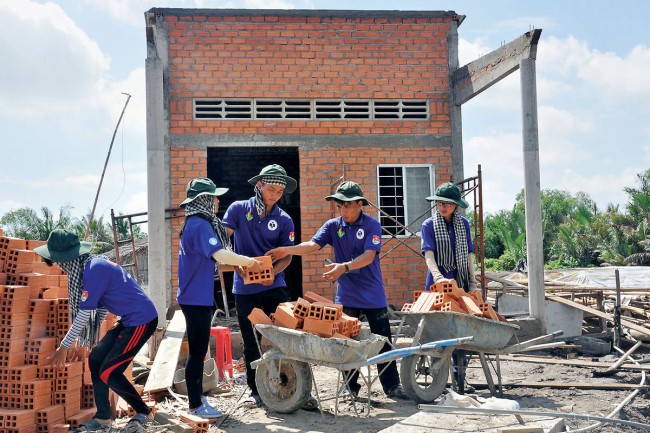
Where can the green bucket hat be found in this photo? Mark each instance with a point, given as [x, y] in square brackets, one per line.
[275, 172]
[201, 186]
[449, 192]
[348, 191]
[63, 246]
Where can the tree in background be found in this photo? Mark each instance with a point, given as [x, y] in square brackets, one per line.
[25, 223]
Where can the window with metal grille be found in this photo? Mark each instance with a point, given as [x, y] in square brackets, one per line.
[403, 190]
[306, 109]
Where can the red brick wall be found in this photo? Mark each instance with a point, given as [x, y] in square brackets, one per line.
[308, 57]
[313, 58]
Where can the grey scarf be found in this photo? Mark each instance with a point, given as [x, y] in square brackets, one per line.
[446, 258]
[75, 269]
[204, 205]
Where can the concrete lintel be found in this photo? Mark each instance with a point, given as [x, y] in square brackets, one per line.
[309, 141]
[479, 75]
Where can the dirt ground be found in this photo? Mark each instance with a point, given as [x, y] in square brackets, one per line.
[386, 412]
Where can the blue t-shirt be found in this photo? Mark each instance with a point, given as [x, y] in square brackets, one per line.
[195, 263]
[365, 288]
[254, 237]
[429, 244]
[108, 285]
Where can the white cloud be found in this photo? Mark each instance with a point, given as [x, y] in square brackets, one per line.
[132, 11]
[57, 68]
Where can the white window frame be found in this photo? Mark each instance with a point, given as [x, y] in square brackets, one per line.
[432, 177]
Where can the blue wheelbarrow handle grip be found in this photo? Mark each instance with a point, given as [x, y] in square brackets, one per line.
[395, 354]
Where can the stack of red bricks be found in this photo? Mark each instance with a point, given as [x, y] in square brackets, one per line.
[34, 318]
[447, 296]
[312, 313]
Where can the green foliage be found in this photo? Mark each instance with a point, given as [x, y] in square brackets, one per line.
[562, 263]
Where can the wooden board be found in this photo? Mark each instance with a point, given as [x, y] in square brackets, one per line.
[573, 362]
[600, 314]
[164, 365]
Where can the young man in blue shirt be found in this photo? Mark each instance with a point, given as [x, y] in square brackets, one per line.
[260, 225]
[356, 240]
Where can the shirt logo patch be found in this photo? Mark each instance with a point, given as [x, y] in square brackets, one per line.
[273, 225]
[213, 241]
[249, 215]
[292, 236]
[341, 233]
[360, 234]
[84, 296]
[375, 239]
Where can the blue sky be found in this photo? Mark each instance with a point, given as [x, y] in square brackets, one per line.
[67, 62]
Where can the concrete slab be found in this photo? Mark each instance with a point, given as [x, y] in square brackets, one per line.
[430, 422]
[557, 316]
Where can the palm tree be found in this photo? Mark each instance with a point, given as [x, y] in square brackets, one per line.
[25, 223]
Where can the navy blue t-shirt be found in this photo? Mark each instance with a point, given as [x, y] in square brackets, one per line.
[195, 264]
[108, 285]
[365, 288]
[254, 237]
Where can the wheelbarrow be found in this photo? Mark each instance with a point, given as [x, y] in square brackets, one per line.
[424, 377]
[284, 377]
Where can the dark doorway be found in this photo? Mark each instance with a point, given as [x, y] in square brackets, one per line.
[231, 167]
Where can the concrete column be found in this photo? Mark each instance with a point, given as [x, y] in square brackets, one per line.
[455, 112]
[532, 192]
[157, 189]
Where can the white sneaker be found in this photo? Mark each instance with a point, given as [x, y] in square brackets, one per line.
[206, 411]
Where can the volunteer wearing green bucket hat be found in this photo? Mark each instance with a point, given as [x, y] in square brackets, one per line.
[260, 225]
[448, 251]
[446, 240]
[356, 240]
[203, 240]
[97, 286]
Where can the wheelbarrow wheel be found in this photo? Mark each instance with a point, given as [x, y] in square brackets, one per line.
[288, 392]
[424, 377]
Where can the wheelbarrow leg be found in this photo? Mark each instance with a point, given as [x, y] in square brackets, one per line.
[487, 372]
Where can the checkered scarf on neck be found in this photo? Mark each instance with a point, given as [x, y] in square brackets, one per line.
[266, 180]
[75, 269]
[204, 205]
[445, 256]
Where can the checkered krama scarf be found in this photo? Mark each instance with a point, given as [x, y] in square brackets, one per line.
[204, 205]
[448, 259]
[267, 180]
[75, 269]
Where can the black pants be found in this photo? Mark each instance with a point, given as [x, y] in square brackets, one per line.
[268, 301]
[198, 319]
[108, 361]
[380, 325]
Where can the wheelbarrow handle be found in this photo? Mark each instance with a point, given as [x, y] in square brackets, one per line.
[395, 354]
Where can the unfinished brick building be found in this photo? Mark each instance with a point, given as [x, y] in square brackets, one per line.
[330, 95]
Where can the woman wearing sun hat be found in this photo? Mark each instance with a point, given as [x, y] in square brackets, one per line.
[447, 242]
[97, 286]
[203, 240]
[448, 249]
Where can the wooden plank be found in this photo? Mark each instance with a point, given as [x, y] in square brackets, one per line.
[566, 385]
[164, 365]
[600, 314]
[573, 362]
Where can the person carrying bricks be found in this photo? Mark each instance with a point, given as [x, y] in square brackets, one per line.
[448, 249]
[203, 241]
[97, 286]
[356, 240]
[260, 225]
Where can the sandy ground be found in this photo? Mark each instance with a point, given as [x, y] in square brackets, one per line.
[386, 412]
